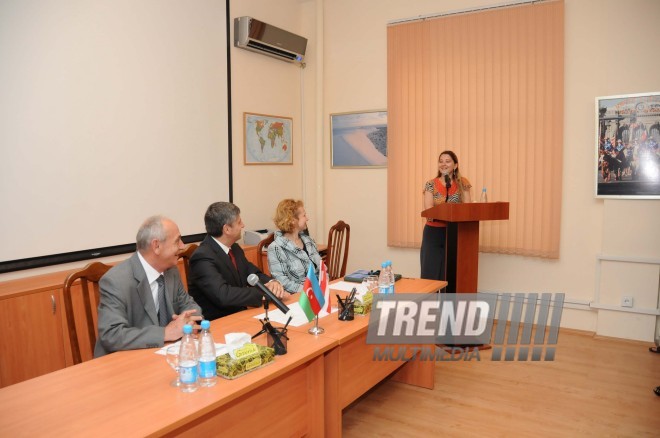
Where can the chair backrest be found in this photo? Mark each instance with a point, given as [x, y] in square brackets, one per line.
[260, 250]
[88, 279]
[338, 239]
[185, 257]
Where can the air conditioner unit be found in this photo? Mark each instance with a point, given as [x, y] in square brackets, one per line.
[260, 37]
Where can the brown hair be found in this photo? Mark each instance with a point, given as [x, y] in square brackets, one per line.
[286, 214]
[455, 175]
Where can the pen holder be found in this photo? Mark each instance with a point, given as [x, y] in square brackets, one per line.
[277, 340]
[347, 312]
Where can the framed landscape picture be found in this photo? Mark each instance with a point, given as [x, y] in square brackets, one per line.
[268, 139]
[359, 139]
[627, 140]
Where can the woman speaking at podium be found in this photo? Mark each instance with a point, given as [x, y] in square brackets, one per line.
[447, 186]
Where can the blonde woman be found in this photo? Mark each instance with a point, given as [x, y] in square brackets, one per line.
[292, 251]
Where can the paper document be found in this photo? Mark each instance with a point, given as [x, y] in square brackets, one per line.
[345, 286]
[297, 314]
[163, 351]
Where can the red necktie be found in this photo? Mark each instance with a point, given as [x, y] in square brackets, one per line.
[233, 259]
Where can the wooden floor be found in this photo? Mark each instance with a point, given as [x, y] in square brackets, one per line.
[595, 387]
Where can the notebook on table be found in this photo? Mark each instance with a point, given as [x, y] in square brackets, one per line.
[358, 276]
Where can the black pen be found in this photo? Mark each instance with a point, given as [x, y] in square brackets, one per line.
[344, 311]
[351, 296]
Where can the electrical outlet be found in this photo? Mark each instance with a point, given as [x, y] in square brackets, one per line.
[626, 301]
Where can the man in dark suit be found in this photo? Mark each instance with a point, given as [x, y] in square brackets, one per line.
[142, 301]
[219, 269]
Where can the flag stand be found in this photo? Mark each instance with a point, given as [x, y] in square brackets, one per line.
[316, 330]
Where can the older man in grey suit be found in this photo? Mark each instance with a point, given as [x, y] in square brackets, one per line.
[143, 303]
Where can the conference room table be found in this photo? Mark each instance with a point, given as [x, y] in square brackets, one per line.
[350, 369]
[301, 393]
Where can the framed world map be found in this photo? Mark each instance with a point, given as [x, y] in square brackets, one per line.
[267, 139]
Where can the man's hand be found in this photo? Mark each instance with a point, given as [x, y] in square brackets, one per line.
[174, 330]
[276, 288]
[290, 298]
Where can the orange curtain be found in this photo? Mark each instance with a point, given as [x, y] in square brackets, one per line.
[489, 86]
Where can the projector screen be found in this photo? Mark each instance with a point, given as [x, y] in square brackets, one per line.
[110, 112]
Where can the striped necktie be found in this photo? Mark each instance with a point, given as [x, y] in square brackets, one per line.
[163, 318]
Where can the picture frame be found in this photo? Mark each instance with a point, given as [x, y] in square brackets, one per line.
[628, 146]
[359, 139]
[267, 139]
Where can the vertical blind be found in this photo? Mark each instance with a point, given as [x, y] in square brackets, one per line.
[489, 86]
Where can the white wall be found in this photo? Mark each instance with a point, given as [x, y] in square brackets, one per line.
[265, 85]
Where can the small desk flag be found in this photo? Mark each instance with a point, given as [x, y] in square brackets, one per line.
[324, 283]
[312, 299]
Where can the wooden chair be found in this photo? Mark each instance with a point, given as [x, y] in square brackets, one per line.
[260, 248]
[324, 255]
[338, 239]
[185, 257]
[91, 273]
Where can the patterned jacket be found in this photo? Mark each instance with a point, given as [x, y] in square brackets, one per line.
[288, 264]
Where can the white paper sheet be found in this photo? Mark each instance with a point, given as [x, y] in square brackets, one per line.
[345, 286]
[295, 311]
[163, 351]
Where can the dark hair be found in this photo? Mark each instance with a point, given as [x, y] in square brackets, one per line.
[455, 175]
[218, 215]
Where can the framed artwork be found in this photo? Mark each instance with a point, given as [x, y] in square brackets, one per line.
[359, 139]
[627, 140]
[267, 139]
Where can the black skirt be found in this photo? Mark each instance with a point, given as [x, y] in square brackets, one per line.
[432, 255]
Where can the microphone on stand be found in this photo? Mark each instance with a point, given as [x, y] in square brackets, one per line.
[253, 280]
[447, 185]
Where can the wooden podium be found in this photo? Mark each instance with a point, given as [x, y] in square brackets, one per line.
[462, 256]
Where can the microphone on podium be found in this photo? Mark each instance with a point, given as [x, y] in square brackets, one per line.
[253, 280]
[447, 185]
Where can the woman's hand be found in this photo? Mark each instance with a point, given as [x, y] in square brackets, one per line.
[428, 200]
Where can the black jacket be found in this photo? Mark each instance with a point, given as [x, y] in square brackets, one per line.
[214, 283]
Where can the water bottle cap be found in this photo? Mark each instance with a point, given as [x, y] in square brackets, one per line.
[187, 329]
[484, 189]
[206, 325]
[389, 262]
[383, 265]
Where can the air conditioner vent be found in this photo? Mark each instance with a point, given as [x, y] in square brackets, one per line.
[257, 36]
[263, 47]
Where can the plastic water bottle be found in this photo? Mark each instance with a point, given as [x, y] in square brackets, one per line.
[207, 365]
[188, 361]
[383, 279]
[484, 196]
[390, 271]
